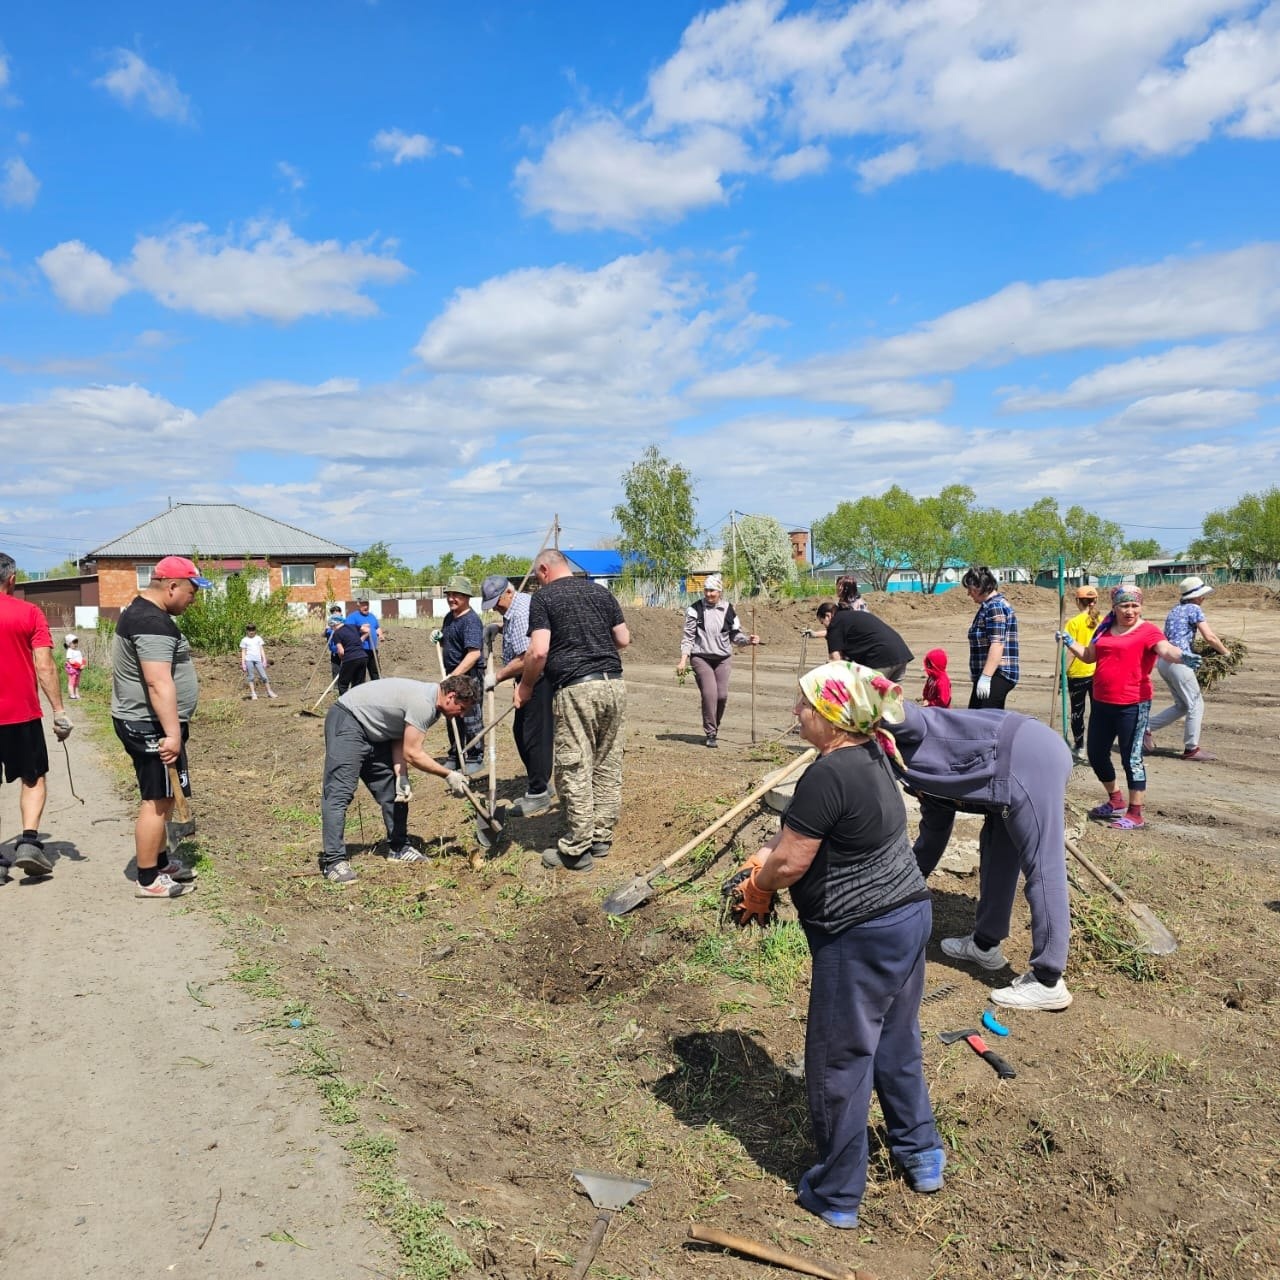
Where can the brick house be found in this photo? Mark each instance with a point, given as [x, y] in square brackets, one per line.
[223, 537]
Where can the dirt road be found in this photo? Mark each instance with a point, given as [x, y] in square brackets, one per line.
[142, 1093]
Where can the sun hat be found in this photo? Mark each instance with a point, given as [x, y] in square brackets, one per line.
[458, 586]
[491, 590]
[180, 567]
[1194, 588]
[856, 699]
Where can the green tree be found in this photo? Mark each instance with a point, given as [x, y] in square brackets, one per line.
[1090, 542]
[1035, 536]
[856, 536]
[1142, 549]
[383, 571]
[764, 558]
[659, 529]
[1244, 537]
[929, 532]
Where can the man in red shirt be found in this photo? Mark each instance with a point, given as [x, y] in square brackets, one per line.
[26, 667]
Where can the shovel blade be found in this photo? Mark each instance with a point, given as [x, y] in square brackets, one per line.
[628, 898]
[1156, 937]
[608, 1191]
[489, 831]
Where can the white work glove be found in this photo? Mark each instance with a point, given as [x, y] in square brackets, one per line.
[490, 682]
[456, 781]
[436, 636]
[808, 631]
[982, 690]
[62, 726]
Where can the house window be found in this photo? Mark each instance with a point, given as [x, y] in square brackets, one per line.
[144, 575]
[298, 575]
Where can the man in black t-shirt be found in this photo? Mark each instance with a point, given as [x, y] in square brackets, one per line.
[856, 635]
[576, 631]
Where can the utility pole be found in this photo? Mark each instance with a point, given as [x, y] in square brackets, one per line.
[555, 531]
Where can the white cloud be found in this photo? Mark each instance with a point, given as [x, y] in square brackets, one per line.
[267, 272]
[82, 279]
[131, 81]
[1183, 410]
[800, 163]
[1237, 292]
[600, 174]
[1061, 94]
[6, 75]
[292, 176]
[19, 186]
[1236, 362]
[401, 146]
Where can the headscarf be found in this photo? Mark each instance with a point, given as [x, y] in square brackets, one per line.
[1119, 595]
[713, 582]
[857, 700]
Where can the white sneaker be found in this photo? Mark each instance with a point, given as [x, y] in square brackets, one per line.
[407, 854]
[1028, 993]
[966, 949]
[162, 886]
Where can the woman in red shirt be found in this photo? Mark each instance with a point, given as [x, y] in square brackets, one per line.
[1125, 649]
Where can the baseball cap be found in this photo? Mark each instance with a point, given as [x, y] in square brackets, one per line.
[335, 608]
[180, 567]
[491, 589]
[1086, 593]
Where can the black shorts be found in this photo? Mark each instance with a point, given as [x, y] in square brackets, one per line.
[140, 738]
[23, 751]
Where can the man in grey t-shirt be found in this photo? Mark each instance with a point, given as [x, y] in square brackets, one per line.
[358, 733]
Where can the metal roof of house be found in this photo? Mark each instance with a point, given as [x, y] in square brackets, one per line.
[596, 564]
[217, 529]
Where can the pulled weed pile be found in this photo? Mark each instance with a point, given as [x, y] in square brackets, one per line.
[1216, 666]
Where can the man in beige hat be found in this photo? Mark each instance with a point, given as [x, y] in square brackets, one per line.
[1184, 621]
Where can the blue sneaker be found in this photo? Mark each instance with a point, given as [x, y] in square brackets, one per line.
[841, 1219]
[924, 1170]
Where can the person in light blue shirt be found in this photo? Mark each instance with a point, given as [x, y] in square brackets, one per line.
[1183, 623]
[362, 617]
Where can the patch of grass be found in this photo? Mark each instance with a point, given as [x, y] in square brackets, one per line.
[776, 958]
[1143, 1069]
[218, 711]
[320, 1064]
[773, 752]
[297, 814]
[427, 1251]
[1103, 933]
[259, 978]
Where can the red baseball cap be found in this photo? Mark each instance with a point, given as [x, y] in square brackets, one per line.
[180, 567]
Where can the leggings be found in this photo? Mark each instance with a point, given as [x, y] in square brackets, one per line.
[712, 675]
[1109, 722]
[1079, 689]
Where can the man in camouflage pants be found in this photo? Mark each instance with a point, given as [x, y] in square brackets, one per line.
[576, 632]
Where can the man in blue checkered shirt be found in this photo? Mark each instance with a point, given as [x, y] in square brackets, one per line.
[993, 641]
[534, 728]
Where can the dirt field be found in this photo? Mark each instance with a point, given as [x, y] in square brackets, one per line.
[506, 1031]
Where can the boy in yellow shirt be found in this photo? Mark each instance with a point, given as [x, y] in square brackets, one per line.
[1080, 674]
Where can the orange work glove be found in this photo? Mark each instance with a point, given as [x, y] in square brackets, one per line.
[745, 901]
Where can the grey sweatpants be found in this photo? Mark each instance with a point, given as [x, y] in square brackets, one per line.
[1027, 837]
[349, 759]
[1187, 701]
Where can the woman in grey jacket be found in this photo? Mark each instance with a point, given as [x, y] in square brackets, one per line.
[1013, 770]
[711, 630]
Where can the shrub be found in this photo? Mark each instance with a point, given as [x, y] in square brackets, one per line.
[215, 622]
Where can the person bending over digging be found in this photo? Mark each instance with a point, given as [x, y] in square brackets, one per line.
[359, 732]
[1012, 770]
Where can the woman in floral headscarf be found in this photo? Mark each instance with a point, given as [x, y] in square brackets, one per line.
[1124, 649]
[865, 909]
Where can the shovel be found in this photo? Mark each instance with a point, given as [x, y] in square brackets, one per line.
[182, 824]
[608, 1193]
[489, 828]
[1157, 940]
[630, 896]
[311, 711]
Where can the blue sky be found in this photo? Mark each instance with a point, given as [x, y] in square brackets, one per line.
[429, 274]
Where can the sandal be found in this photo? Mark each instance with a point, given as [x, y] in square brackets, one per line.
[1126, 823]
[1104, 812]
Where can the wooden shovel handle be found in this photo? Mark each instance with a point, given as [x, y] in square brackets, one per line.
[672, 858]
[585, 1258]
[779, 1258]
[181, 805]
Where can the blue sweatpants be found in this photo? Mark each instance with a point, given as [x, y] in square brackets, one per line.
[864, 1030]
